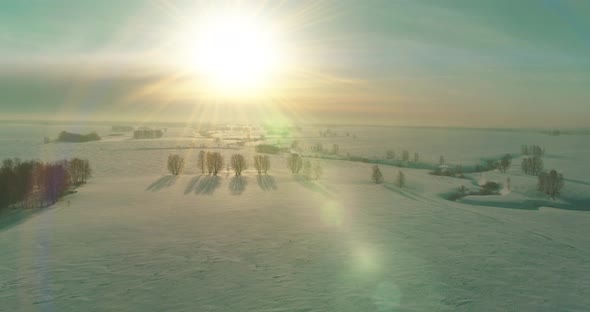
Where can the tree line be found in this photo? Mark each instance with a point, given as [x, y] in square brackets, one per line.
[34, 183]
[213, 162]
[534, 150]
[404, 156]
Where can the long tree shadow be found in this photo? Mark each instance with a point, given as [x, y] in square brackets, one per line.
[207, 185]
[313, 186]
[237, 185]
[162, 182]
[266, 182]
[190, 187]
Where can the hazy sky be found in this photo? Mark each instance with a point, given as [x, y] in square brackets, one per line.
[413, 62]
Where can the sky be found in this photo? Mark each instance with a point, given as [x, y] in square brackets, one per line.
[499, 63]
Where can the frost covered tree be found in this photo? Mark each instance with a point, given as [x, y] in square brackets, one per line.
[400, 179]
[175, 164]
[376, 175]
[294, 163]
[238, 163]
[202, 161]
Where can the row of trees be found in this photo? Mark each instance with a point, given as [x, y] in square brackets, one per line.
[377, 176]
[33, 183]
[212, 163]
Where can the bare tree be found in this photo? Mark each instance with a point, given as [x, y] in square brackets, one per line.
[307, 169]
[214, 162]
[405, 156]
[175, 164]
[294, 163]
[317, 170]
[441, 160]
[532, 165]
[258, 163]
[377, 176]
[400, 179]
[238, 163]
[265, 163]
[202, 161]
[416, 157]
[209, 162]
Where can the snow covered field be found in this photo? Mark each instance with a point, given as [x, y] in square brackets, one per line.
[137, 239]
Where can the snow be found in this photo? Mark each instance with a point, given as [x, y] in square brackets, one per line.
[136, 239]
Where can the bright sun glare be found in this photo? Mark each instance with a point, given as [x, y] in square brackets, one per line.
[234, 53]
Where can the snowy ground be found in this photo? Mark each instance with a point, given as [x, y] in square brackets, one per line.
[135, 239]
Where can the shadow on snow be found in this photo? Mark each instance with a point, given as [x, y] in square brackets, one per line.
[162, 182]
[237, 185]
[266, 182]
[207, 185]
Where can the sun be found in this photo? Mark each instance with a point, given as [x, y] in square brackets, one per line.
[234, 53]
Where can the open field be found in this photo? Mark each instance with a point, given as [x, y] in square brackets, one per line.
[137, 239]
